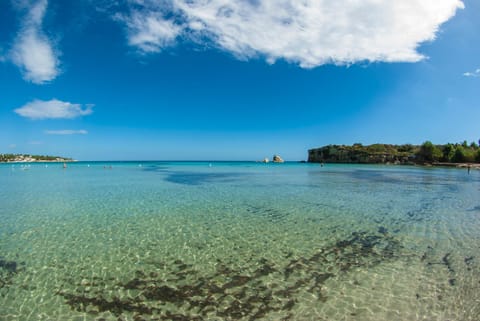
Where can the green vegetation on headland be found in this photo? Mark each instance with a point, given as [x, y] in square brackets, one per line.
[13, 158]
[424, 154]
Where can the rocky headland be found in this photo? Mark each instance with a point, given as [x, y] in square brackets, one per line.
[425, 154]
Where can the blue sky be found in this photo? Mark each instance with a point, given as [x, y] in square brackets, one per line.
[234, 80]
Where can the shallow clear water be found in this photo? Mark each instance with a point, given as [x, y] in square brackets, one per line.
[238, 241]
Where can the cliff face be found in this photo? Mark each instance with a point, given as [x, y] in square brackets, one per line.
[373, 154]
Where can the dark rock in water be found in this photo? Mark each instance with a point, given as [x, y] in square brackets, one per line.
[9, 266]
[265, 269]
[468, 260]
[8, 270]
[236, 281]
[164, 294]
[382, 230]
[447, 262]
[289, 305]
[114, 305]
[135, 284]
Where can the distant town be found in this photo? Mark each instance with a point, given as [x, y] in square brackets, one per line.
[24, 158]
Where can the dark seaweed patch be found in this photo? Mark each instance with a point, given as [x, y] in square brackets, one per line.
[382, 230]
[195, 178]
[155, 168]
[475, 209]
[114, 305]
[272, 214]
[447, 262]
[8, 269]
[375, 176]
[9, 266]
[468, 260]
[234, 294]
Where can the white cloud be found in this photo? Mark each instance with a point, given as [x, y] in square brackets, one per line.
[150, 32]
[66, 132]
[307, 32]
[32, 51]
[475, 73]
[51, 109]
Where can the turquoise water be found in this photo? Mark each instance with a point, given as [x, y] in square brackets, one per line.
[238, 241]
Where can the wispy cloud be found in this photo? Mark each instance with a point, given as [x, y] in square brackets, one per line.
[53, 109]
[309, 33]
[475, 73]
[32, 51]
[150, 32]
[66, 132]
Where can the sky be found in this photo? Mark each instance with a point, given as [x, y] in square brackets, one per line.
[234, 79]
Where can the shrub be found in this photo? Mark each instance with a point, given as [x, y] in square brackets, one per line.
[429, 152]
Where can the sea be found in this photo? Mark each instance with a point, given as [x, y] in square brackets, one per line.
[238, 241]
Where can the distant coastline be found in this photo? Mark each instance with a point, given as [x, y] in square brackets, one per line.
[26, 158]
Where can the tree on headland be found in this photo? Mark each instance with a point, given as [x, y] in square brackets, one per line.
[459, 156]
[463, 155]
[448, 153]
[429, 152]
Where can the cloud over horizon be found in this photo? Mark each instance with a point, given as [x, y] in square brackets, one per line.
[66, 132]
[32, 51]
[53, 109]
[309, 33]
[475, 73]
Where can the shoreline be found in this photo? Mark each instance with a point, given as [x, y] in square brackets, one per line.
[39, 161]
[458, 165]
[434, 164]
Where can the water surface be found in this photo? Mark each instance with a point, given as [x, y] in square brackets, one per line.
[238, 241]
